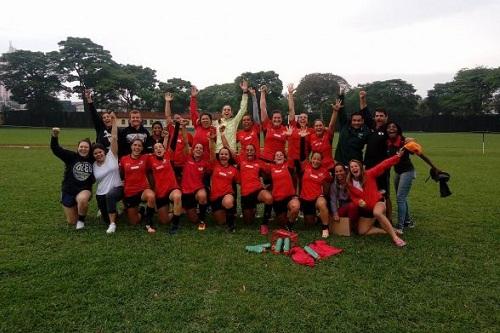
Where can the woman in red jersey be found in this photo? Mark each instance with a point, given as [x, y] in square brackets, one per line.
[362, 187]
[321, 138]
[166, 188]
[286, 205]
[203, 128]
[194, 193]
[294, 139]
[314, 179]
[252, 190]
[250, 134]
[133, 167]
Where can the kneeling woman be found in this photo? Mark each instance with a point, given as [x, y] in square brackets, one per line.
[166, 188]
[107, 174]
[136, 186]
[362, 186]
[76, 188]
[314, 179]
[286, 205]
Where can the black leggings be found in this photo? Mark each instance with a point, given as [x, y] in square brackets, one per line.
[107, 202]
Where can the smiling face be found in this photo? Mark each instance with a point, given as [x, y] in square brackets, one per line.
[224, 156]
[83, 148]
[277, 119]
[357, 121]
[250, 150]
[227, 112]
[302, 120]
[135, 119]
[355, 168]
[158, 149]
[279, 157]
[198, 150]
[157, 129]
[136, 147]
[99, 155]
[205, 121]
[380, 118]
[106, 119]
[247, 122]
[340, 173]
[177, 117]
[319, 128]
[316, 159]
[392, 130]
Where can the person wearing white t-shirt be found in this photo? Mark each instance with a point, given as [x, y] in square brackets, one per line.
[107, 174]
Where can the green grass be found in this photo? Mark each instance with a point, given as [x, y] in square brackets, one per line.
[54, 279]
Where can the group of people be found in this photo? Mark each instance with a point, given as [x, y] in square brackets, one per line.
[171, 171]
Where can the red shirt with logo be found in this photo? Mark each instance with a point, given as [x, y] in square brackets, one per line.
[323, 145]
[275, 140]
[163, 174]
[250, 176]
[313, 181]
[134, 172]
[245, 138]
[223, 178]
[201, 134]
[294, 144]
[282, 181]
[192, 175]
[179, 158]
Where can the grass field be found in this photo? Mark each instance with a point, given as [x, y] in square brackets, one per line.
[54, 279]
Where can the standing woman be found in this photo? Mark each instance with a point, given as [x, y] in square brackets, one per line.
[203, 128]
[107, 174]
[136, 186]
[314, 179]
[102, 123]
[362, 186]
[76, 187]
[250, 134]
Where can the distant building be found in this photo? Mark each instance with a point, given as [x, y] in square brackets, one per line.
[5, 101]
[148, 118]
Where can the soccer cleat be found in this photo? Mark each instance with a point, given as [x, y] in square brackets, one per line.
[80, 225]
[264, 229]
[111, 228]
[325, 233]
[150, 229]
[202, 226]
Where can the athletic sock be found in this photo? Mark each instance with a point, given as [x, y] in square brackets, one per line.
[203, 212]
[81, 218]
[324, 226]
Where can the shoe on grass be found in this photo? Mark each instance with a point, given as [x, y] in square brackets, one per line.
[202, 226]
[150, 229]
[410, 224]
[325, 233]
[111, 228]
[80, 225]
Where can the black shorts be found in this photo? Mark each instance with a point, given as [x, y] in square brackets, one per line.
[178, 171]
[383, 183]
[250, 201]
[308, 207]
[165, 201]
[132, 201]
[217, 203]
[281, 206]
[368, 213]
[69, 200]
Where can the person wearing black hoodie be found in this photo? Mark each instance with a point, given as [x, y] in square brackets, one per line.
[134, 131]
[102, 123]
[76, 188]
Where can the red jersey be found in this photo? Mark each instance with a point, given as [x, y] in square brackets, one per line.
[192, 175]
[223, 178]
[163, 174]
[201, 134]
[323, 145]
[250, 176]
[294, 144]
[134, 172]
[179, 158]
[313, 181]
[249, 137]
[282, 182]
[275, 140]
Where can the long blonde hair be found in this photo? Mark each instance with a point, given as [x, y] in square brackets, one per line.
[350, 176]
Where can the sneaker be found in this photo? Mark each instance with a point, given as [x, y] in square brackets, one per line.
[150, 229]
[325, 233]
[111, 228]
[264, 229]
[202, 226]
[410, 224]
[80, 225]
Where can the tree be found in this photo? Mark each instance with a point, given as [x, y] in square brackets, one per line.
[396, 96]
[32, 79]
[80, 61]
[270, 79]
[182, 92]
[317, 91]
[213, 98]
[134, 83]
[472, 92]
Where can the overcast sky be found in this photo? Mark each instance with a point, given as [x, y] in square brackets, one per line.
[208, 42]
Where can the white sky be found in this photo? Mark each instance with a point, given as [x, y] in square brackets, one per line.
[208, 42]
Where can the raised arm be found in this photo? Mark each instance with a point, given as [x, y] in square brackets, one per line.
[225, 143]
[211, 144]
[63, 154]
[193, 106]
[365, 112]
[168, 111]
[173, 142]
[185, 150]
[98, 123]
[244, 103]
[263, 105]
[255, 106]
[362, 100]
[303, 133]
[291, 103]
[114, 134]
[335, 113]
[342, 116]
